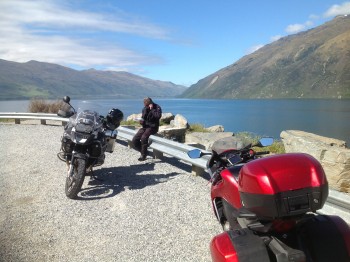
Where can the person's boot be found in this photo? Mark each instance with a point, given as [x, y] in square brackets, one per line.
[142, 158]
[143, 152]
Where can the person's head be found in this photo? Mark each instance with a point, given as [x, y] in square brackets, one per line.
[147, 101]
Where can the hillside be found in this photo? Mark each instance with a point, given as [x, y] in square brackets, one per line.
[45, 80]
[311, 64]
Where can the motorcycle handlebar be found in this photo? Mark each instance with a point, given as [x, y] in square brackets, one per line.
[262, 153]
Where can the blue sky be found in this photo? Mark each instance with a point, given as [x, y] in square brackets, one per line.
[168, 40]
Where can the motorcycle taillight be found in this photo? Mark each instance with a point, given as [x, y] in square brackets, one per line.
[283, 225]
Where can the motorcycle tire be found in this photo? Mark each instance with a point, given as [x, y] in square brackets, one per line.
[75, 182]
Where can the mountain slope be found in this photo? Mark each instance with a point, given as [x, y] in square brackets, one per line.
[311, 64]
[45, 80]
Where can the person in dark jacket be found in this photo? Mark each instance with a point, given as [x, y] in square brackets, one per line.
[151, 114]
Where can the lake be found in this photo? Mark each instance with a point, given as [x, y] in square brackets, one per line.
[325, 117]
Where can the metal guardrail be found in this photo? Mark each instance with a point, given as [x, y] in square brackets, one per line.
[162, 146]
[338, 203]
[34, 116]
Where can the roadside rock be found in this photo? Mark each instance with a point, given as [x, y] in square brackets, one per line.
[133, 117]
[217, 128]
[166, 117]
[205, 139]
[173, 133]
[333, 155]
[179, 121]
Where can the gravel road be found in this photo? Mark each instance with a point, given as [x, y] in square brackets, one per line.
[150, 211]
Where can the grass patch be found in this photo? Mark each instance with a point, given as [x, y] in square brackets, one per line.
[7, 120]
[197, 128]
[130, 123]
[137, 123]
[277, 147]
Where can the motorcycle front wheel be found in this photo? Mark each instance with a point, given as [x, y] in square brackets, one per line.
[75, 181]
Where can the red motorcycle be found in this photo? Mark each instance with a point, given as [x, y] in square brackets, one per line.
[267, 206]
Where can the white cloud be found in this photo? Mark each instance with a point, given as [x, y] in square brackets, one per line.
[49, 14]
[253, 49]
[275, 38]
[295, 28]
[335, 10]
[314, 17]
[309, 23]
[52, 31]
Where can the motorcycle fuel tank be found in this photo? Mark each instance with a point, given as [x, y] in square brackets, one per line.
[283, 185]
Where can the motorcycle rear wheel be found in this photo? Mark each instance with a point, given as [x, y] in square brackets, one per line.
[75, 182]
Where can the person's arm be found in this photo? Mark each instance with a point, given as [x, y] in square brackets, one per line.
[145, 111]
[155, 112]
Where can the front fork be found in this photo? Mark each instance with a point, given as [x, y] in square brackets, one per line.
[72, 161]
[70, 165]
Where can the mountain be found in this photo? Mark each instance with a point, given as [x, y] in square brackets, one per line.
[310, 64]
[45, 80]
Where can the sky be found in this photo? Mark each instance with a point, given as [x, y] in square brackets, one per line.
[168, 40]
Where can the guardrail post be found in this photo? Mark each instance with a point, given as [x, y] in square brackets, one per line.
[157, 154]
[17, 121]
[43, 121]
[197, 171]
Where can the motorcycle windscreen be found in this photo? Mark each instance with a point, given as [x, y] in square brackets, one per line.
[87, 121]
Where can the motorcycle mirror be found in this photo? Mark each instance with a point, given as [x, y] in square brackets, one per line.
[66, 99]
[194, 153]
[265, 141]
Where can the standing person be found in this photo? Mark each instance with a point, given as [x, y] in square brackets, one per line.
[151, 114]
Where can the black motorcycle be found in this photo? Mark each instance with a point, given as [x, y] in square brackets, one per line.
[86, 138]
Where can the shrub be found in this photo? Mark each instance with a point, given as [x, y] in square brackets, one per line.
[197, 128]
[130, 123]
[249, 138]
[277, 147]
[42, 106]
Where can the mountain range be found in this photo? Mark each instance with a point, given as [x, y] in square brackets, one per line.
[310, 64]
[51, 81]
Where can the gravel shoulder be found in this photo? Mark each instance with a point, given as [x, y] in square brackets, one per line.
[150, 211]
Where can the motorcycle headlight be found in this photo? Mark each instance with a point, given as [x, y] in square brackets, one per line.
[84, 128]
[80, 138]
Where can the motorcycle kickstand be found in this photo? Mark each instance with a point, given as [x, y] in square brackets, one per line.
[92, 176]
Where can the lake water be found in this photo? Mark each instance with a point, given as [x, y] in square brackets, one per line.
[330, 118]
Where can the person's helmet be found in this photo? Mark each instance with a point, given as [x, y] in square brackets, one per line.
[114, 117]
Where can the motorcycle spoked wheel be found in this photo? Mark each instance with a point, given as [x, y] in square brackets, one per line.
[75, 182]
